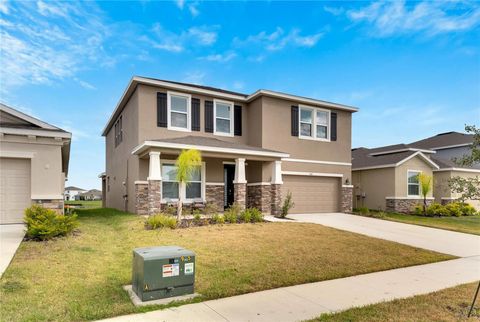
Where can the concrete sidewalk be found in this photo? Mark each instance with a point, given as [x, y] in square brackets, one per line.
[301, 302]
[10, 238]
[439, 240]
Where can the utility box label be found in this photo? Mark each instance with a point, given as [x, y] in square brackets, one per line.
[188, 268]
[170, 270]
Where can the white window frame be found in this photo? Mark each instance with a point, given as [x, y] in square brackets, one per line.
[408, 183]
[314, 111]
[182, 192]
[215, 101]
[169, 111]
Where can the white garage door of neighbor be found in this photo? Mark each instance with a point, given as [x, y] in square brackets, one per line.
[312, 194]
[14, 189]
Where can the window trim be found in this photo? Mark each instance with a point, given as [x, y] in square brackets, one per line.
[169, 111]
[215, 101]
[314, 123]
[182, 192]
[418, 184]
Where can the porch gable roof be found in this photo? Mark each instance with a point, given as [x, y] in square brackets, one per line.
[206, 144]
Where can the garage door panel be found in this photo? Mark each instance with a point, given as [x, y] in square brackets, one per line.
[14, 189]
[312, 194]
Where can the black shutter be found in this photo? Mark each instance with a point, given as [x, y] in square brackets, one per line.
[209, 116]
[161, 110]
[237, 117]
[294, 120]
[195, 114]
[333, 125]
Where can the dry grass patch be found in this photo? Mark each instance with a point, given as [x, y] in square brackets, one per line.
[81, 277]
[450, 304]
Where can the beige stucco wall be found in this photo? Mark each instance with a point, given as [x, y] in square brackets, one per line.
[147, 101]
[376, 184]
[415, 164]
[47, 178]
[120, 163]
[441, 189]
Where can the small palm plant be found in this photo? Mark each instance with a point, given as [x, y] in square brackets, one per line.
[187, 163]
[426, 186]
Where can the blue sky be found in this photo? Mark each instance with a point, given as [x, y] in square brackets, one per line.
[413, 68]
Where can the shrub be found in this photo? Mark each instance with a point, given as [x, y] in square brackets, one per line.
[170, 210]
[43, 224]
[246, 216]
[257, 215]
[161, 221]
[436, 209]
[454, 209]
[196, 217]
[218, 219]
[287, 205]
[468, 210]
[231, 216]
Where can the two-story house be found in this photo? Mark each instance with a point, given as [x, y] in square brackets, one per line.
[255, 148]
[387, 177]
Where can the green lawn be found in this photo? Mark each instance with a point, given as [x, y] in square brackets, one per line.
[450, 304]
[464, 224]
[81, 277]
[85, 203]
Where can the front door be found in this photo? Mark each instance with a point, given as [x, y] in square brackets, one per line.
[229, 175]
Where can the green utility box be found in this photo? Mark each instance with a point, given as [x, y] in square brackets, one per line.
[161, 272]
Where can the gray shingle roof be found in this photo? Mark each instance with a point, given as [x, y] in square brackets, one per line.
[213, 142]
[442, 140]
[362, 158]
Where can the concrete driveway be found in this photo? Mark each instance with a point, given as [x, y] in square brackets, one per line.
[439, 240]
[10, 238]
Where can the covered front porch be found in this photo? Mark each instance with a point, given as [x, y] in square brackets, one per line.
[230, 173]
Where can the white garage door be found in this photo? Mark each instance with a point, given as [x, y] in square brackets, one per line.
[312, 194]
[14, 189]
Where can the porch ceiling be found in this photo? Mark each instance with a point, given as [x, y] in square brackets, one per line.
[209, 147]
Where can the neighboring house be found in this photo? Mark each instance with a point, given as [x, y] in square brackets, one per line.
[255, 148]
[71, 192]
[386, 177]
[34, 158]
[92, 194]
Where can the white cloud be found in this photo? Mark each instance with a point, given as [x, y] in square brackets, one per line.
[336, 11]
[180, 3]
[84, 84]
[192, 6]
[195, 77]
[4, 7]
[37, 50]
[177, 42]
[430, 17]
[278, 39]
[222, 58]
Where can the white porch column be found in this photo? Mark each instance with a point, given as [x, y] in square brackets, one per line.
[154, 171]
[240, 171]
[277, 172]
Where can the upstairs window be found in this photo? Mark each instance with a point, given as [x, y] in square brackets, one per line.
[179, 111]
[314, 123]
[118, 131]
[413, 183]
[223, 116]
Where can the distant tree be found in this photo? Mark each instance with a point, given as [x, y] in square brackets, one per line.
[426, 186]
[468, 188]
[187, 163]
